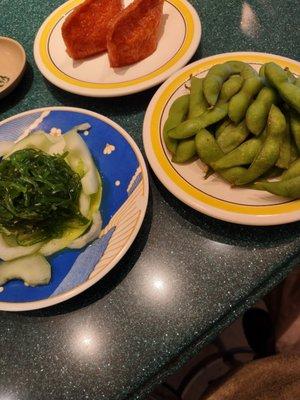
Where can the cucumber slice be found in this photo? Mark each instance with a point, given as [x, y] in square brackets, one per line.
[76, 164]
[58, 147]
[8, 252]
[90, 182]
[38, 140]
[5, 147]
[69, 236]
[33, 270]
[91, 235]
[77, 147]
[84, 204]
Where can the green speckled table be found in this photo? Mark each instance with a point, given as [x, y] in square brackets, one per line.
[186, 276]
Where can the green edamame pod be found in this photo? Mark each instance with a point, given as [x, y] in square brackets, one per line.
[223, 125]
[273, 172]
[207, 147]
[258, 111]
[297, 83]
[293, 171]
[240, 102]
[295, 127]
[263, 76]
[186, 150]
[284, 158]
[286, 188]
[278, 78]
[214, 115]
[230, 88]
[242, 155]
[170, 143]
[290, 75]
[270, 150]
[232, 174]
[294, 151]
[232, 136]
[177, 114]
[186, 129]
[192, 126]
[218, 74]
[262, 71]
[209, 152]
[198, 103]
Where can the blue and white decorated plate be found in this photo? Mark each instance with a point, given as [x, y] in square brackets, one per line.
[123, 206]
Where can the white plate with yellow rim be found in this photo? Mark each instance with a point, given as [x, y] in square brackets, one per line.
[94, 76]
[212, 196]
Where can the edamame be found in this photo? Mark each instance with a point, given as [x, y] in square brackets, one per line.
[278, 78]
[232, 136]
[240, 102]
[258, 111]
[218, 74]
[177, 114]
[198, 104]
[270, 150]
[186, 150]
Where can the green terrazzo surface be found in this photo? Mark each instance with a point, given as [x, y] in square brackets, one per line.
[187, 275]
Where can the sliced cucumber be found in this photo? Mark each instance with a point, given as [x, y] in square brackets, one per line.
[33, 270]
[9, 252]
[95, 200]
[77, 147]
[38, 140]
[69, 236]
[92, 233]
[84, 204]
[90, 181]
[5, 147]
[58, 147]
[76, 164]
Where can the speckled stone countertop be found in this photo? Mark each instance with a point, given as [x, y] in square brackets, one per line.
[186, 276]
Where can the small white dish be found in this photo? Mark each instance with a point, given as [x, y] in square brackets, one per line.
[12, 64]
[94, 77]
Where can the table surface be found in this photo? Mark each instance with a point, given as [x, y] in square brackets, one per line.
[186, 276]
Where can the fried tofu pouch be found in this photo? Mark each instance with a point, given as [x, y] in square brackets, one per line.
[85, 30]
[133, 35]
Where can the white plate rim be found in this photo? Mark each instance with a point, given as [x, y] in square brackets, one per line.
[126, 90]
[237, 218]
[34, 305]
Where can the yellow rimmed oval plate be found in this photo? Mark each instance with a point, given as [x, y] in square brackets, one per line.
[212, 196]
[94, 76]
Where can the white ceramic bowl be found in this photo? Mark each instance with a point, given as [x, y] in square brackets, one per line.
[12, 64]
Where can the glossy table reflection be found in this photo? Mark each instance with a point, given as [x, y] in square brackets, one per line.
[187, 275]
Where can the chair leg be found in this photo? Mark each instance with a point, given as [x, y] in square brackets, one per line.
[164, 392]
[259, 332]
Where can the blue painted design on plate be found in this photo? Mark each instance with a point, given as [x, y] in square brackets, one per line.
[135, 184]
[120, 165]
[84, 264]
[12, 130]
